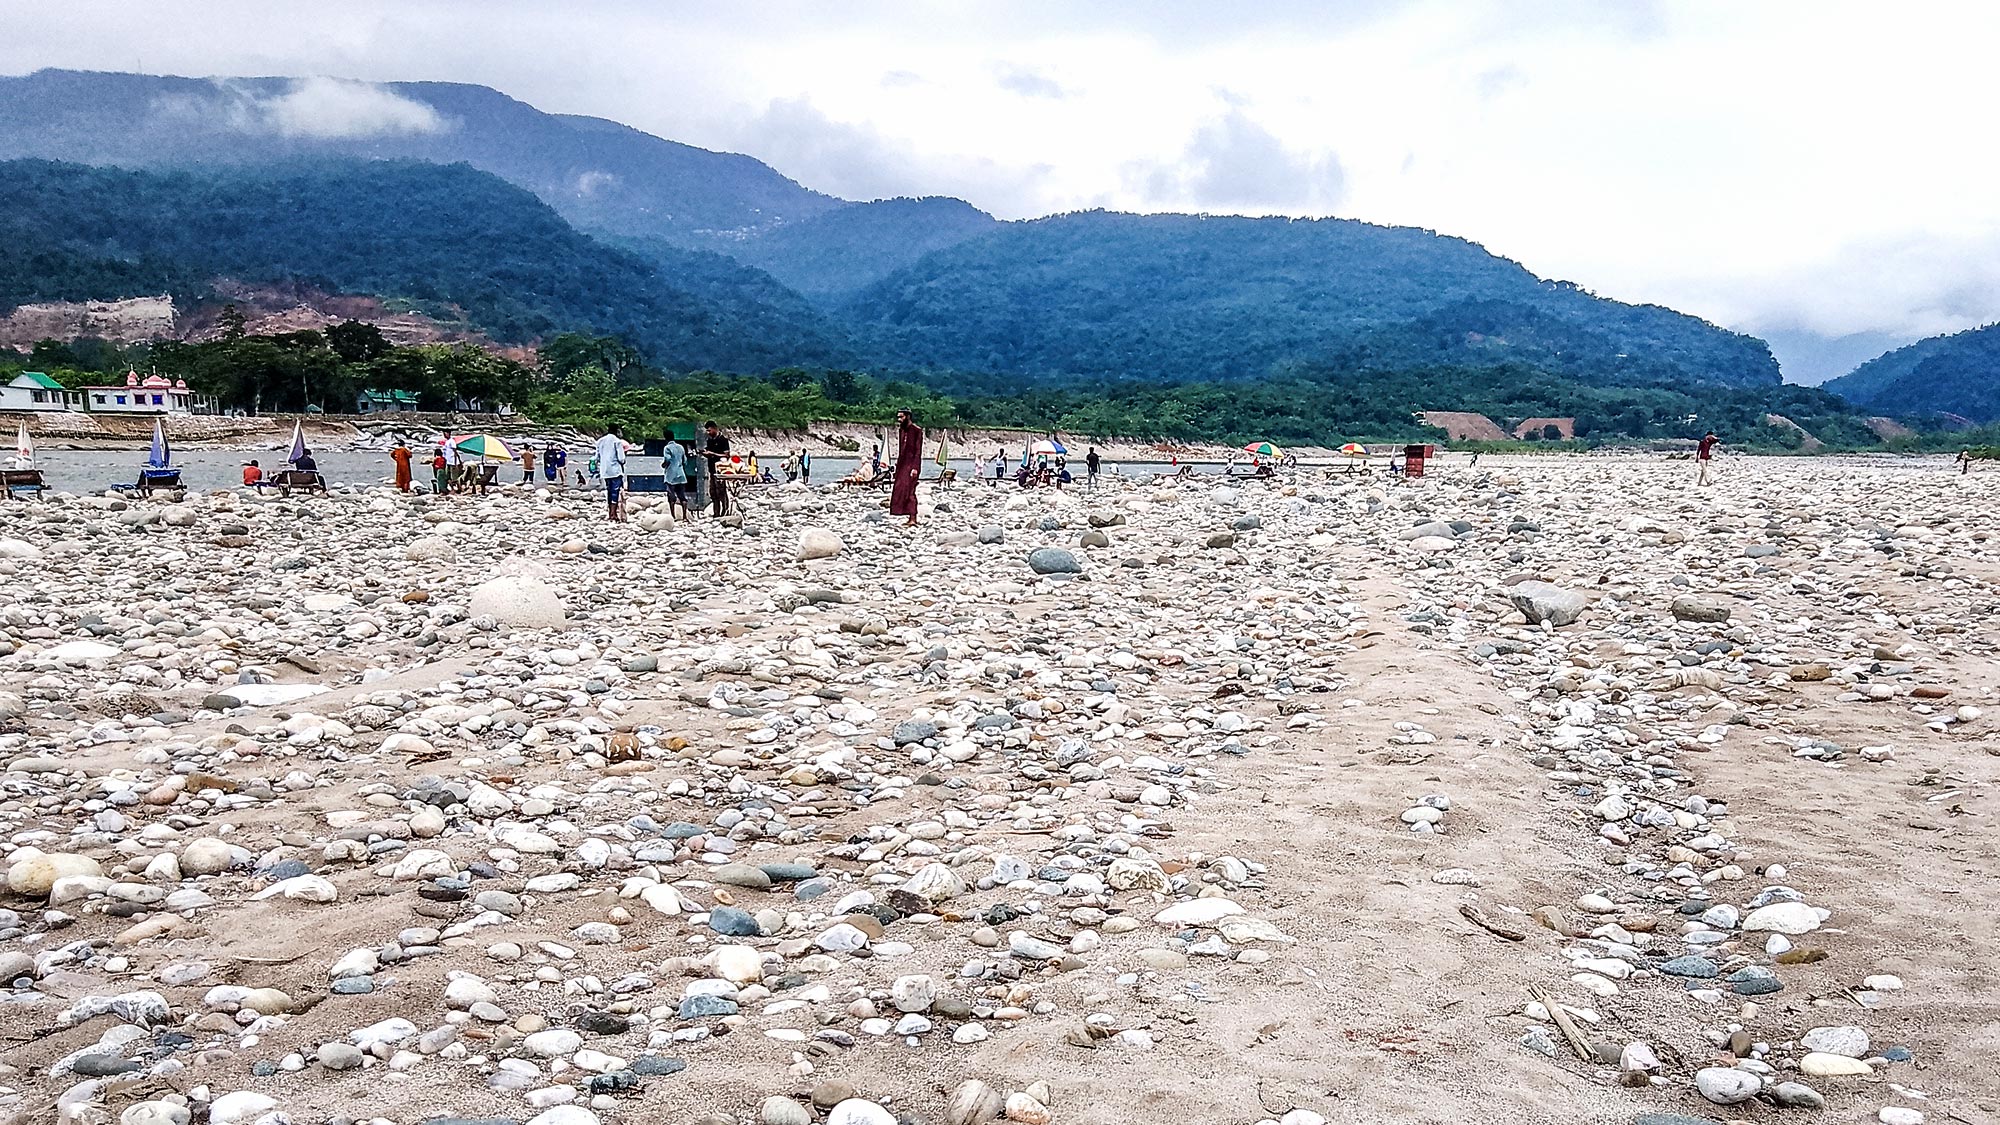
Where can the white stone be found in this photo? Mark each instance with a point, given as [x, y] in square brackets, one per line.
[1821, 1064]
[859, 1111]
[520, 601]
[1198, 912]
[819, 543]
[240, 1107]
[1792, 918]
[935, 882]
[1727, 1085]
[1849, 1041]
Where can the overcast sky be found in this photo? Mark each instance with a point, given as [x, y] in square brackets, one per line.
[1804, 171]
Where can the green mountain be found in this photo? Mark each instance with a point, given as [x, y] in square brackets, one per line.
[444, 238]
[1956, 374]
[838, 253]
[1099, 295]
[599, 174]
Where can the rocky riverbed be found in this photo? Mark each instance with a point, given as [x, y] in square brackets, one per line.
[1542, 791]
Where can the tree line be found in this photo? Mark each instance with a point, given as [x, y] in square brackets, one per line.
[590, 381]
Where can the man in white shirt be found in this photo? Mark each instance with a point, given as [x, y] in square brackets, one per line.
[611, 466]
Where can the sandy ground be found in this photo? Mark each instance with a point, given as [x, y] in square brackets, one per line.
[1389, 1006]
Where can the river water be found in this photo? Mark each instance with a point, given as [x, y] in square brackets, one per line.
[91, 470]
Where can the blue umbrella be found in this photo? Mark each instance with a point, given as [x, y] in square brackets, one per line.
[298, 441]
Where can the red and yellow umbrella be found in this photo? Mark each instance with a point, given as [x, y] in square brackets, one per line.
[1352, 449]
[1263, 449]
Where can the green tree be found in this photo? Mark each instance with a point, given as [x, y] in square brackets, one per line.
[592, 384]
[355, 342]
[791, 378]
[50, 354]
[841, 386]
[571, 352]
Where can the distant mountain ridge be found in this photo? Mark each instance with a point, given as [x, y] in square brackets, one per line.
[1957, 374]
[599, 174]
[908, 285]
[1183, 297]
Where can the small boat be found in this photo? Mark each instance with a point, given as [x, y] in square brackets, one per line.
[159, 471]
[22, 475]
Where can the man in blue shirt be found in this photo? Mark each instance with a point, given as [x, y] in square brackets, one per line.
[673, 458]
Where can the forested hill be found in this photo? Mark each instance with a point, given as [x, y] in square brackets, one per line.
[599, 174]
[447, 239]
[837, 253]
[1180, 297]
[1955, 374]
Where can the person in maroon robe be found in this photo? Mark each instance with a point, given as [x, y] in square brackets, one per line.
[909, 462]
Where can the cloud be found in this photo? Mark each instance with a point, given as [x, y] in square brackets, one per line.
[589, 183]
[319, 109]
[1909, 285]
[860, 162]
[1030, 83]
[1235, 164]
[339, 108]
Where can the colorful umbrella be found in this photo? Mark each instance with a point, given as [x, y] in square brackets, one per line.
[486, 447]
[1263, 449]
[1050, 446]
[1352, 450]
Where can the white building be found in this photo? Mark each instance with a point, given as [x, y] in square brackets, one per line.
[155, 394]
[32, 390]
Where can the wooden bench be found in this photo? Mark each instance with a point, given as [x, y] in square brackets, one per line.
[22, 480]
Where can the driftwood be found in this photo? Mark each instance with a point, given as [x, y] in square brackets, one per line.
[1563, 1023]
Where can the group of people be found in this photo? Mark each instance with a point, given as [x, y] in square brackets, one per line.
[454, 471]
[253, 472]
[686, 465]
[682, 464]
[1045, 470]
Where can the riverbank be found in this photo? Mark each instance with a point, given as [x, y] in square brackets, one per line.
[1548, 791]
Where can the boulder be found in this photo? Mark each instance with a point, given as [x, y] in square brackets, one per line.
[1726, 1085]
[1053, 560]
[819, 543]
[1546, 601]
[210, 856]
[1688, 607]
[520, 601]
[36, 874]
[431, 548]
